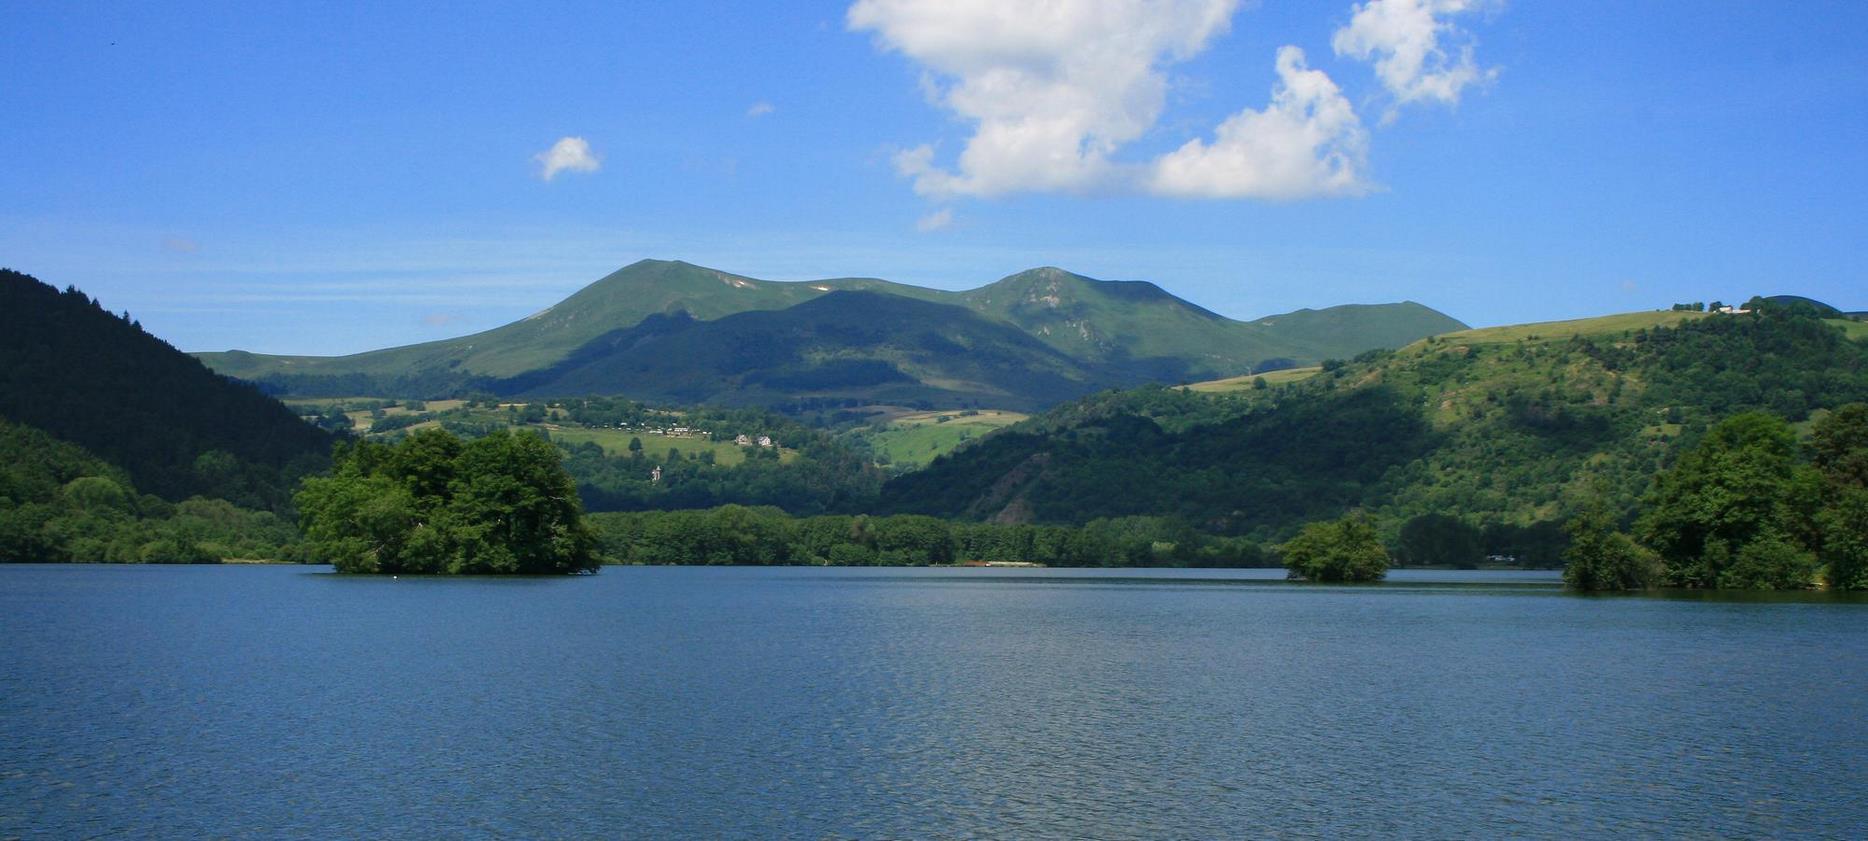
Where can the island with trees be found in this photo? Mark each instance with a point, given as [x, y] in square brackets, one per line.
[432, 503]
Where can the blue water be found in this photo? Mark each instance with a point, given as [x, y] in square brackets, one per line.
[184, 702]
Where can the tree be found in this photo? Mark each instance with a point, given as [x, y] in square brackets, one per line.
[1770, 562]
[431, 504]
[1601, 558]
[1435, 539]
[1844, 529]
[1344, 550]
[1839, 443]
[1742, 483]
[635, 446]
[1839, 447]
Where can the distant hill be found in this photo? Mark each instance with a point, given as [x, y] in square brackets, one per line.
[1505, 427]
[1130, 329]
[1138, 326]
[840, 345]
[86, 376]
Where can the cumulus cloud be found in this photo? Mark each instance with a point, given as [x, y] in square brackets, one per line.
[935, 221]
[1403, 38]
[1308, 142]
[569, 154]
[760, 109]
[1053, 89]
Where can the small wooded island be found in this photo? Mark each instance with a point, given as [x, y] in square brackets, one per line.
[431, 503]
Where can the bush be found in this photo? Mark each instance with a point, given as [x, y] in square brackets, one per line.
[1344, 550]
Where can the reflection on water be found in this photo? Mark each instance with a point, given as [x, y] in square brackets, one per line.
[709, 702]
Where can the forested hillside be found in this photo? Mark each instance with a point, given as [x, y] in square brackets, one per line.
[1504, 430]
[95, 379]
[60, 503]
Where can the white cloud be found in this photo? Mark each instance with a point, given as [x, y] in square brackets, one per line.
[1053, 89]
[1308, 142]
[569, 154]
[935, 221]
[1404, 40]
[760, 109]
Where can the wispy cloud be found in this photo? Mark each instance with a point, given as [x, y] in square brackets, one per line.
[1408, 41]
[760, 109]
[180, 245]
[935, 221]
[569, 154]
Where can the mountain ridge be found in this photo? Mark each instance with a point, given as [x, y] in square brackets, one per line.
[1131, 326]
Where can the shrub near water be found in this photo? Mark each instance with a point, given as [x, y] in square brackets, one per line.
[432, 504]
[1344, 550]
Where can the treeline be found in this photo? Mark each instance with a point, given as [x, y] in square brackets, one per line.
[59, 504]
[85, 375]
[1749, 507]
[736, 534]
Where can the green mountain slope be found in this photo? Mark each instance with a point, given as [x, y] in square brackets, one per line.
[848, 345]
[71, 369]
[1133, 327]
[1138, 325]
[1507, 427]
[621, 299]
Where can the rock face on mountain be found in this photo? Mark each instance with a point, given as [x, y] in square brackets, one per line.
[1099, 333]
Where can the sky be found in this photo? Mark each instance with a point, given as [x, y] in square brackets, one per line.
[330, 178]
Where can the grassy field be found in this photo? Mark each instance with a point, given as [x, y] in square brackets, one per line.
[1606, 325]
[917, 438]
[1856, 330]
[1243, 383]
[616, 442]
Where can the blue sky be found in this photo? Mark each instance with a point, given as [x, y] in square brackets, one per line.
[320, 178]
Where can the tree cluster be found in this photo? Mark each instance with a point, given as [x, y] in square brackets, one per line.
[59, 503]
[1749, 507]
[1337, 551]
[432, 503]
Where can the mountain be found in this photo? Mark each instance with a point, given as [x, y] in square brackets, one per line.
[1507, 428]
[841, 345]
[621, 299]
[1132, 330]
[1140, 326]
[83, 375]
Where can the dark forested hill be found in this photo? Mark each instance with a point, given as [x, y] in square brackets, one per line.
[1132, 329]
[84, 375]
[840, 345]
[1505, 427]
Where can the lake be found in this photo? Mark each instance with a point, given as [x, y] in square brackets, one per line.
[186, 702]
